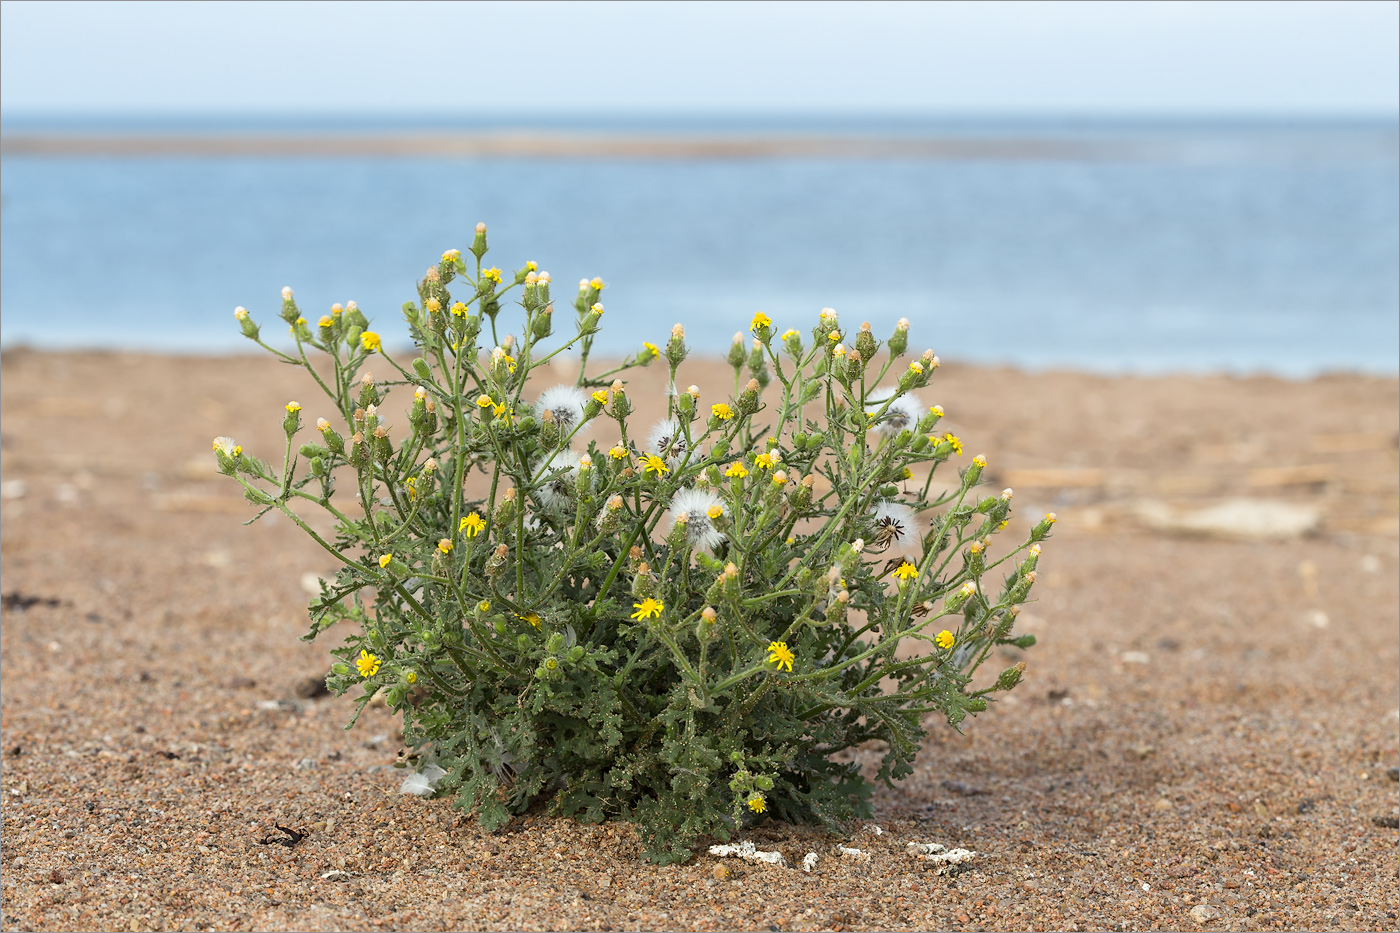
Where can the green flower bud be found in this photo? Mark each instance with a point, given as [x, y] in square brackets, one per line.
[792, 342]
[543, 324]
[245, 323]
[899, 340]
[973, 473]
[737, 355]
[1042, 529]
[340, 668]
[289, 306]
[318, 466]
[369, 395]
[865, 342]
[1025, 641]
[291, 424]
[479, 242]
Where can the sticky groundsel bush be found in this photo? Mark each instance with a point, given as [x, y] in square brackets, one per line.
[681, 626]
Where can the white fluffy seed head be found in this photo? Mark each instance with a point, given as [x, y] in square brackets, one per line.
[894, 527]
[558, 493]
[697, 505]
[903, 413]
[565, 403]
[667, 441]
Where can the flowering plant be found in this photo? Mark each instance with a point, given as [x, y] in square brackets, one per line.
[684, 628]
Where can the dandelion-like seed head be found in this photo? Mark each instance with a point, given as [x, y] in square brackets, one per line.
[558, 493]
[667, 439]
[566, 403]
[894, 527]
[701, 508]
[902, 414]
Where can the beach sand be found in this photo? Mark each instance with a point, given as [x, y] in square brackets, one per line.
[1206, 737]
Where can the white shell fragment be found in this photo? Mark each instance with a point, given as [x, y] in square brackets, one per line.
[847, 852]
[942, 856]
[809, 861]
[422, 783]
[747, 850]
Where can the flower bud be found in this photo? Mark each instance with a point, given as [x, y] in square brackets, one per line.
[543, 325]
[748, 399]
[369, 394]
[292, 422]
[973, 473]
[497, 561]
[899, 340]
[865, 342]
[954, 601]
[792, 342]
[289, 306]
[1042, 529]
[478, 248]
[245, 323]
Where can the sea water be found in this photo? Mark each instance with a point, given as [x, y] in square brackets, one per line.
[1154, 248]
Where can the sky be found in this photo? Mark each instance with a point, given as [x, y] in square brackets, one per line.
[578, 59]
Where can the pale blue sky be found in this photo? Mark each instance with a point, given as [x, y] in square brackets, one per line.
[578, 59]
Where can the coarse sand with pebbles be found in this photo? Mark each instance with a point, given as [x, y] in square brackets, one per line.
[1206, 737]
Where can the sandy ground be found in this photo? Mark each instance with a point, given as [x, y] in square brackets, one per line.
[1207, 737]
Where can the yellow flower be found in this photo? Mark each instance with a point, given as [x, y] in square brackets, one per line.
[241, 313]
[596, 309]
[618, 452]
[839, 350]
[370, 341]
[483, 606]
[906, 570]
[937, 410]
[955, 441]
[722, 411]
[530, 617]
[367, 664]
[601, 396]
[384, 559]
[1050, 517]
[780, 478]
[980, 460]
[325, 321]
[907, 474]
[459, 309]
[648, 609]
[410, 678]
[411, 484]
[293, 407]
[760, 321]
[433, 305]
[834, 336]
[445, 546]
[597, 283]
[500, 411]
[652, 349]
[715, 511]
[654, 464]
[765, 461]
[493, 274]
[757, 804]
[788, 334]
[471, 524]
[779, 653]
[916, 367]
[944, 639]
[736, 470]
[484, 401]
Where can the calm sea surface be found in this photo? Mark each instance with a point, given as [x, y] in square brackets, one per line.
[1190, 248]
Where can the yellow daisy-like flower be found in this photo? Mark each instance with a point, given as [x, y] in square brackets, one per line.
[370, 341]
[410, 678]
[484, 401]
[411, 484]
[493, 274]
[736, 470]
[601, 396]
[757, 804]
[452, 255]
[433, 305]
[907, 474]
[955, 441]
[944, 639]
[597, 283]
[384, 559]
[906, 570]
[765, 461]
[916, 367]
[648, 609]
[780, 654]
[484, 606]
[367, 664]
[715, 511]
[596, 309]
[618, 452]
[722, 411]
[654, 464]
[293, 407]
[325, 321]
[834, 336]
[445, 545]
[500, 411]
[652, 349]
[937, 410]
[760, 321]
[471, 524]
[532, 618]
[458, 309]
